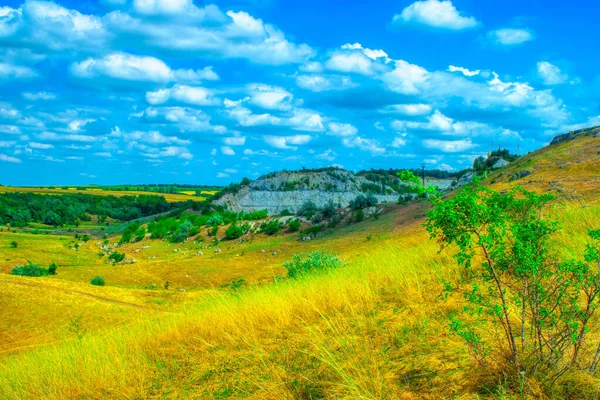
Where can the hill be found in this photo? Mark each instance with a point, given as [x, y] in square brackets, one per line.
[289, 190]
[378, 327]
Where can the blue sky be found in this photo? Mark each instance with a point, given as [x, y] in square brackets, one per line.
[143, 91]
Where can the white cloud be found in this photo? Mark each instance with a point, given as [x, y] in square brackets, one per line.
[52, 136]
[464, 71]
[235, 140]
[509, 36]
[405, 77]
[436, 14]
[186, 119]
[104, 154]
[364, 144]
[398, 142]
[408, 109]
[4, 157]
[161, 7]
[269, 97]
[4, 143]
[151, 137]
[35, 145]
[10, 129]
[176, 151]
[121, 66]
[287, 142]
[550, 73]
[228, 151]
[10, 71]
[343, 130]
[34, 96]
[449, 146]
[184, 94]
[298, 119]
[327, 155]
[324, 83]
[231, 170]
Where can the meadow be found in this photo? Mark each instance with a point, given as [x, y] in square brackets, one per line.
[377, 328]
[170, 197]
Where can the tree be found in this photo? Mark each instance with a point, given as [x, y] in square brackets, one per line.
[479, 164]
[516, 288]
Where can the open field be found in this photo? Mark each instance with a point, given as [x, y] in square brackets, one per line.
[375, 329]
[170, 197]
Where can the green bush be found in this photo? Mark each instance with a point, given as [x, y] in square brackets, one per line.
[13, 244]
[294, 225]
[318, 261]
[359, 215]
[236, 231]
[116, 257]
[97, 281]
[308, 209]
[271, 227]
[33, 270]
[312, 229]
[85, 238]
[140, 234]
[334, 221]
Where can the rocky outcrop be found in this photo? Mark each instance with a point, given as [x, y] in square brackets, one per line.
[290, 190]
[564, 137]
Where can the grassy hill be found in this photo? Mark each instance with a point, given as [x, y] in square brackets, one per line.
[376, 328]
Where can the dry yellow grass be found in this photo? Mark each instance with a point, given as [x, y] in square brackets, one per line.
[376, 329]
[171, 198]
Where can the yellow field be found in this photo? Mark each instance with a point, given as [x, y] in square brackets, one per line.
[171, 198]
[376, 329]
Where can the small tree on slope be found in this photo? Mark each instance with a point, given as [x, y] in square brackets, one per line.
[524, 309]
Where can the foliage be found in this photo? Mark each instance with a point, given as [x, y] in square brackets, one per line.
[294, 225]
[97, 281]
[33, 270]
[359, 215]
[361, 201]
[116, 257]
[318, 261]
[236, 231]
[182, 232]
[521, 291]
[271, 227]
[312, 230]
[19, 209]
[14, 244]
[128, 232]
[308, 209]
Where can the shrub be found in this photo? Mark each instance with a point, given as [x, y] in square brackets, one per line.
[312, 230]
[97, 281]
[294, 225]
[334, 221]
[308, 209]
[236, 231]
[85, 238]
[318, 261]
[52, 269]
[140, 234]
[182, 233]
[33, 270]
[361, 201]
[329, 210]
[317, 218]
[215, 220]
[13, 244]
[116, 257]
[271, 227]
[285, 213]
[213, 230]
[359, 216]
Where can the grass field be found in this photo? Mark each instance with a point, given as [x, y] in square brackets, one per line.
[171, 198]
[375, 329]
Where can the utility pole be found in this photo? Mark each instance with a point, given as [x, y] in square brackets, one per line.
[423, 174]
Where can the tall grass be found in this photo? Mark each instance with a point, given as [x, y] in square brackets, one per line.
[374, 329]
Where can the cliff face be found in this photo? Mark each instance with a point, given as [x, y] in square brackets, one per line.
[290, 190]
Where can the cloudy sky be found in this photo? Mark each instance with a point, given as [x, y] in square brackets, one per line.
[128, 91]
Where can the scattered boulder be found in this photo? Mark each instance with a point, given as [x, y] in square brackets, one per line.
[519, 175]
[274, 253]
[199, 253]
[217, 250]
[466, 179]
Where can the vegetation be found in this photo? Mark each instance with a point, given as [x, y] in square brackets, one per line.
[97, 281]
[236, 231]
[308, 263]
[34, 270]
[294, 225]
[116, 257]
[271, 227]
[361, 201]
[19, 209]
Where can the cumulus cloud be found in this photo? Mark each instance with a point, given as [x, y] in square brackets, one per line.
[10, 71]
[6, 158]
[343, 130]
[34, 96]
[435, 14]
[464, 71]
[449, 146]
[228, 151]
[550, 74]
[364, 144]
[195, 95]
[287, 142]
[324, 83]
[35, 145]
[128, 67]
[407, 109]
[509, 36]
